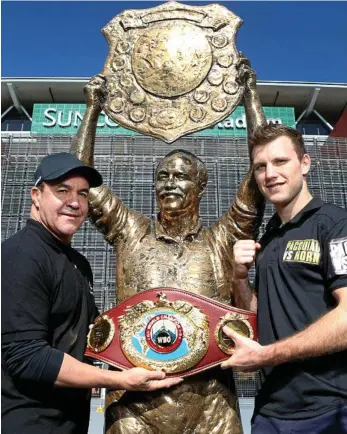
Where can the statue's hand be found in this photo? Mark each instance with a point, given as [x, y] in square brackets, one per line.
[95, 92]
[246, 76]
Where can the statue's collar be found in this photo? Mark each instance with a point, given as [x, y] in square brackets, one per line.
[161, 234]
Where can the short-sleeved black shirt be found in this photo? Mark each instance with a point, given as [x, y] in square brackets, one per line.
[46, 294]
[298, 267]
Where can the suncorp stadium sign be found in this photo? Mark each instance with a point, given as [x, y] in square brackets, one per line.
[66, 118]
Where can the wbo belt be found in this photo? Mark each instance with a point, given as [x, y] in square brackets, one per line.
[168, 329]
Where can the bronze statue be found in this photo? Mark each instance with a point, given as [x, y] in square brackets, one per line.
[175, 251]
[172, 69]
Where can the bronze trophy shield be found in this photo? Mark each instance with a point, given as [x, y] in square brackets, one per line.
[172, 70]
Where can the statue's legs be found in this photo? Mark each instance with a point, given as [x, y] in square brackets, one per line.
[202, 406]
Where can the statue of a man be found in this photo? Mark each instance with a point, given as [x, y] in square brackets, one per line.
[175, 251]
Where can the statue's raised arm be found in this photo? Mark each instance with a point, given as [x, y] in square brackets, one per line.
[254, 111]
[243, 218]
[106, 211]
[83, 143]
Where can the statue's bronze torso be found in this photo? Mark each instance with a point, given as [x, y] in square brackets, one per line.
[147, 257]
[200, 262]
[155, 260]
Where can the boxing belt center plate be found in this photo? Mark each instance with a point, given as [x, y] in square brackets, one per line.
[168, 329]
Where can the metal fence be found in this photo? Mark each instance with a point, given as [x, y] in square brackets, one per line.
[127, 164]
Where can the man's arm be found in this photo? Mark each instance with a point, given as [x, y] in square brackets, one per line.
[36, 362]
[244, 295]
[244, 252]
[77, 374]
[28, 357]
[326, 335]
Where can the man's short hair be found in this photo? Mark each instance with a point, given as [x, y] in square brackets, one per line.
[190, 158]
[267, 133]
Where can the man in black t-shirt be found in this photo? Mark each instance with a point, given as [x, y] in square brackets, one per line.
[47, 307]
[301, 296]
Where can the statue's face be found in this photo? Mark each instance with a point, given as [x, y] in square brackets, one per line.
[177, 185]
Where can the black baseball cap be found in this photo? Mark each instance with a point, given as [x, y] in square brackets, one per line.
[58, 165]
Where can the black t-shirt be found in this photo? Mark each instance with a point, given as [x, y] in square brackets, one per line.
[46, 295]
[298, 267]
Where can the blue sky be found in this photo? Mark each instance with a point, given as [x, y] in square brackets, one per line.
[300, 41]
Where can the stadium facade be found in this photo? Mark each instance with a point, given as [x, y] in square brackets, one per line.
[41, 116]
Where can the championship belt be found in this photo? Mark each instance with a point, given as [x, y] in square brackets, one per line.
[168, 329]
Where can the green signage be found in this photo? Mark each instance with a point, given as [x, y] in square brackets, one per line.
[66, 118]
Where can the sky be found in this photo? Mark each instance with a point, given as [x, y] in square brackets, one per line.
[285, 41]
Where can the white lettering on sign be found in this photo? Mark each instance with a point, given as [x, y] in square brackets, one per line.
[277, 121]
[49, 116]
[78, 117]
[101, 124]
[241, 123]
[72, 118]
[66, 118]
[110, 123]
[61, 117]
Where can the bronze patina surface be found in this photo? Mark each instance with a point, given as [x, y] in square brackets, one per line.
[172, 69]
[175, 250]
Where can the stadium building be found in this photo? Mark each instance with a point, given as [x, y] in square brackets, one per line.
[41, 116]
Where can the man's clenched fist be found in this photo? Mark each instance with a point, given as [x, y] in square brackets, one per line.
[244, 255]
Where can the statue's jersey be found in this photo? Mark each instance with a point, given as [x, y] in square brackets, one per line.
[147, 257]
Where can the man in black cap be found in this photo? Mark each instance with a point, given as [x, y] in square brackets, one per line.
[47, 307]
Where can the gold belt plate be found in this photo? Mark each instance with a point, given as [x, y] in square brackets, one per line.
[171, 337]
